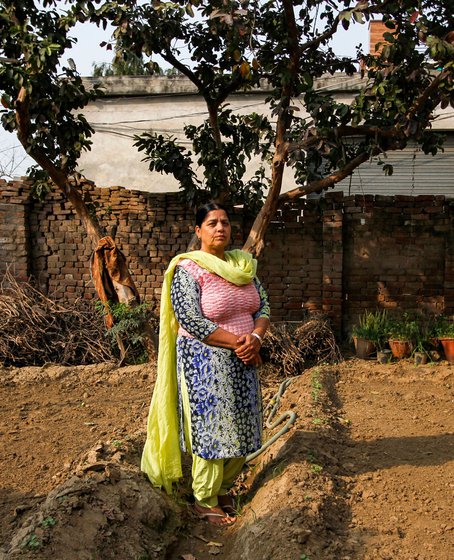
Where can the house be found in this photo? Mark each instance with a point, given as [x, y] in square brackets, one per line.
[136, 104]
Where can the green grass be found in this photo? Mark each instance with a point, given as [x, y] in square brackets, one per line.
[315, 467]
[316, 385]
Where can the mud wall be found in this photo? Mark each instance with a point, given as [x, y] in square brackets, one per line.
[339, 255]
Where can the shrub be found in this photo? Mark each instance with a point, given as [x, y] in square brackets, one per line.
[442, 327]
[129, 328]
[405, 327]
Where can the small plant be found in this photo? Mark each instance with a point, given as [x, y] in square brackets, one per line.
[444, 331]
[278, 469]
[442, 327]
[316, 385]
[129, 323]
[33, 543]
[423, 344]
[49, 522]
[405, 327]
[372, 326]
[315, 468]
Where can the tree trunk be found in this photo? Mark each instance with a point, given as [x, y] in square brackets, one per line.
[64, 183]
[213, 114]
[255, 242]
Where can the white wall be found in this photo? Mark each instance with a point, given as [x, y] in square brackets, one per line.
[165, 105]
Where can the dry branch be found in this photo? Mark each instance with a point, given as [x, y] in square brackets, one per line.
[38, 330]
[294, 346]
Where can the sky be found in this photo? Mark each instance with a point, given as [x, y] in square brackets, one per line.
[87, 51]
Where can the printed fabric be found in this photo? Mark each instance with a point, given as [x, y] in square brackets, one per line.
[224, 394]
[161, 456]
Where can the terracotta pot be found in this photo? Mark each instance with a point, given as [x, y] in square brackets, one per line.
[400, 348]
[364, 348]
[448, 347]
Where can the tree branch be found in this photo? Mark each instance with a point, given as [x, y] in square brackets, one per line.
[327, 182]
[315, 42]
[394, 132]
[232, 86]
[219, 99]
[214, 122]
[423, 98]
[59, 177]
[255, 241]
[173, 60]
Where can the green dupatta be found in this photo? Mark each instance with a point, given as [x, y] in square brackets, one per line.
[161, 457]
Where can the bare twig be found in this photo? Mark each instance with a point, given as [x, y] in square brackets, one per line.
[294, 346]
[37, 330]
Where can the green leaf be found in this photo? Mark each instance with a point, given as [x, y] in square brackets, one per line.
[388, 169]
[358, 16]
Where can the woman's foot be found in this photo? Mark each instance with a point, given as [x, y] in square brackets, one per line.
[227, 503]
[215, 515]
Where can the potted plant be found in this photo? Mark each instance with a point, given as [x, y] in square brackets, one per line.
[369, 334]
[403, 333]
[421, 350]
[444, 330]
[426, 339]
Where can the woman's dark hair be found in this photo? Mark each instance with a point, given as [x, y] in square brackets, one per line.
[202, 212]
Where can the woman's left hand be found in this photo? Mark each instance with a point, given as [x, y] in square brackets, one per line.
[248, 349]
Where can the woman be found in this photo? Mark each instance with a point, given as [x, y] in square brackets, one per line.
[214, 314]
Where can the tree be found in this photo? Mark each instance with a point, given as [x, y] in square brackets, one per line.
[123, 65]
[235, 44]
[232, 46]
[42, 102]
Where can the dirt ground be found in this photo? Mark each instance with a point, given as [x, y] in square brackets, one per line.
[366, 472]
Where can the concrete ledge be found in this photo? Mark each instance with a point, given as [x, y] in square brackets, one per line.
[170, 85]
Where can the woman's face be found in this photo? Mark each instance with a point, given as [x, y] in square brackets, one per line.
[215, 232]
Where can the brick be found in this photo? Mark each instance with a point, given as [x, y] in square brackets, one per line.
[393, 246]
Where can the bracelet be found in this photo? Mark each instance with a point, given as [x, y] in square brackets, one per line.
[257, 336]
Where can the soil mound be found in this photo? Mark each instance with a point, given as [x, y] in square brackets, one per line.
[366, 472]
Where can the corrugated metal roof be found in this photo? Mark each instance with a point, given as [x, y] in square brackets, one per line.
[415, 173]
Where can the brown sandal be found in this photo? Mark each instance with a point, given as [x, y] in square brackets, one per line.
[214, 515]
[227, 503]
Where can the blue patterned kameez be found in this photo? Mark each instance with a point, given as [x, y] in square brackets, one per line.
[224, 394]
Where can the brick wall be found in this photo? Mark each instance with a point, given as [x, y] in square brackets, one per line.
[340, 255]
[14, 233]
[376, 30]
[396, 254]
